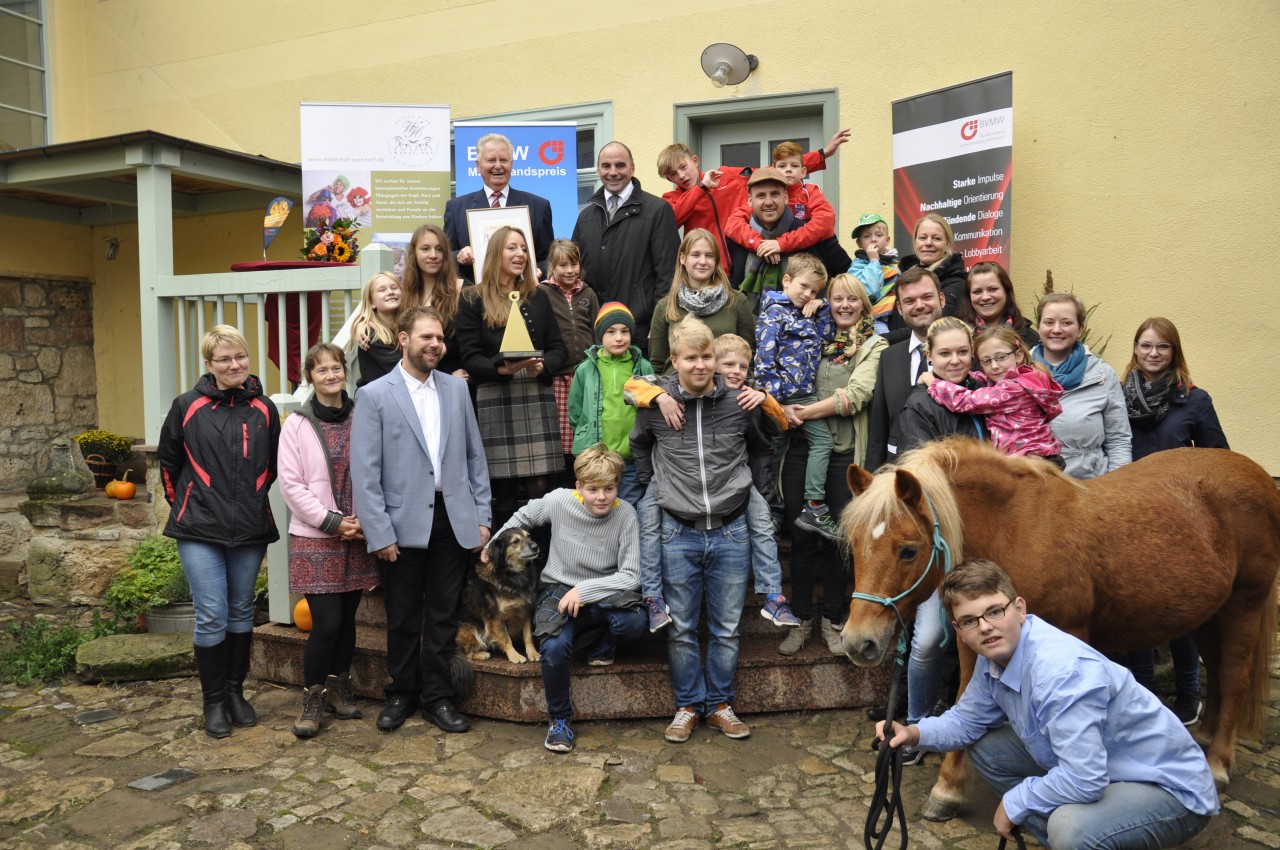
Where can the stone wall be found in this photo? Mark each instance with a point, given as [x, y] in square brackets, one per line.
[48, 378]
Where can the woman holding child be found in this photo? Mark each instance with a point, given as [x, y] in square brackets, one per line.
[700, 287]
[515, 405]
[846, 379]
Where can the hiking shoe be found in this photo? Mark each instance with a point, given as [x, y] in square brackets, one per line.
[659, 613]
[602, 655]
[816, 517]
[777, 611]
[910, 755]
[686, 720]
[727, 722]
[1188, 709]
[559, 736]
[831, 636]
[338, 698]
[308, 724]
[794, 641]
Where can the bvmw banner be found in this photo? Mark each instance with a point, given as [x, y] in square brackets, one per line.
[953, 155]
[545, 163]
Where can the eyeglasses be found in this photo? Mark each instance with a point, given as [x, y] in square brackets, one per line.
[227, 361]
[998, 359]
[992, 615]
[1161, 347]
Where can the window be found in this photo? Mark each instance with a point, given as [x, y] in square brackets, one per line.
[595, 129]
[24, 115]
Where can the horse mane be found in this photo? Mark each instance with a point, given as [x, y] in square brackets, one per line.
[952, 451]
[879, 503]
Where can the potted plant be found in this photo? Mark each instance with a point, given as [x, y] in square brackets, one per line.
[103, 452]
[154, 588]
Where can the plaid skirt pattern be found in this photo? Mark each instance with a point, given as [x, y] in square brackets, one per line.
[520, 428]
[560, 384]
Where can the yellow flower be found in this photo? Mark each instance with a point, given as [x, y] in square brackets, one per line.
[341, 252]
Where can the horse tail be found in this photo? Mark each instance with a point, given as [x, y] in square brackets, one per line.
[1253, 713]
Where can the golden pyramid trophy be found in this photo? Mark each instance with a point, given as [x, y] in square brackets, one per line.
[516, 344]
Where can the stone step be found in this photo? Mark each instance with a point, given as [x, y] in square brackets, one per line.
[636, 685]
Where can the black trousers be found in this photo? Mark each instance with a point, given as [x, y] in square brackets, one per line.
[807, 565]
[422, 589]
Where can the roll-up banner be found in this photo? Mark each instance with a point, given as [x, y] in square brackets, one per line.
[383, 165]
[545, 162]
[953, 155]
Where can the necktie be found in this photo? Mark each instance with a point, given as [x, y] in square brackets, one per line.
[921, 366]
[613, 206]
[497, 200]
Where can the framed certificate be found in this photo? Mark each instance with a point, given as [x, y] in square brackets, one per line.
[483, 222]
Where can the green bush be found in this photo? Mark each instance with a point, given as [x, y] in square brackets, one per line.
[43, 652]
[153, 578]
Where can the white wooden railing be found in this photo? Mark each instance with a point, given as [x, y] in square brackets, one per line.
[186, 306]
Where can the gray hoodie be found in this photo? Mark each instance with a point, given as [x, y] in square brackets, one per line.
[704, 471]
[1094, 424]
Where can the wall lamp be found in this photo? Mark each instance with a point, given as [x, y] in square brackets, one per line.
[727, 65]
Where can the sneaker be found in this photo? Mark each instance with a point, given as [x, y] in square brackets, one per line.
[559, 736]
[1188, 709]
[778, 611]
[910, 755]
[659, 613]
[686, 720]
[816, 517]
[602, 655]
[727, 722]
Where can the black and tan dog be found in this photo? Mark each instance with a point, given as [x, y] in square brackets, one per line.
[497, 600]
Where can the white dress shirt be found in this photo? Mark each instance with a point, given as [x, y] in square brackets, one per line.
[916, 347]
[502, 195]
[426, 401]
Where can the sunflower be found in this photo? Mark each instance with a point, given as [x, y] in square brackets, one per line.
[341, 251]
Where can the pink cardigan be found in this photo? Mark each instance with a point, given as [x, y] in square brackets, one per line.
[305, 478]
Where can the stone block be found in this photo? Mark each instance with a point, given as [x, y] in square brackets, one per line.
[75, 319]
[32, 377]
[78, 376]
[131, 658]
[6, 367]
[136, 513]
[84, 334]
[12, 335]
[49, 360]
[46, 336]
[10, 292]
[73, 572]
[27, 404]
[67, 297]
[11, 577]
[33, 295]
[35, 322]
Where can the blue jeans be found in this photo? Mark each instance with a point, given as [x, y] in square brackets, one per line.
[925, 665]
[649, 519]
[764, 547]
[620, 625]
[629, 489]
[1129, 815]
[713, 564]
[222, 587]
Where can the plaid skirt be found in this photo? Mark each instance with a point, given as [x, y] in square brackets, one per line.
[560, 384]
[520, 428]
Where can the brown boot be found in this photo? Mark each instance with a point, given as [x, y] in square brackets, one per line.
[308, 724]
[338, 698]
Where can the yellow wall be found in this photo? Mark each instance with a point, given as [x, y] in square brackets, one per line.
[1144, 135]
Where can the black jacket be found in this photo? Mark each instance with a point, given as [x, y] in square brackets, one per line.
[890, 394]
[631, 259]
[481, 345]
[217, 457]
[1191, 421]
[922, 419]
[954, 280]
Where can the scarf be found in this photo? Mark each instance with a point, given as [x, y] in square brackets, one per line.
[332, 414]
[702, 302]
[1148, 401]
[980, 323]
[1070, 372]
[841, 349]
[761, 276]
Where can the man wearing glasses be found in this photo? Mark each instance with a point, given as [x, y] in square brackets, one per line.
[1081, 754]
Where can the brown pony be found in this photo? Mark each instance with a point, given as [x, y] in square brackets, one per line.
[1181, 541]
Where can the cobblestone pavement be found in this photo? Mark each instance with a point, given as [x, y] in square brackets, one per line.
[69, 753]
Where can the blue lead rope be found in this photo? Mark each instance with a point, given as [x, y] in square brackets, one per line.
[939, 545]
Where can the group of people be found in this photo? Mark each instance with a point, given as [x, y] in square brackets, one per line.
[688, 397]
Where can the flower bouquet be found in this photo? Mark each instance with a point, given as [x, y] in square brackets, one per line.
[331, 243]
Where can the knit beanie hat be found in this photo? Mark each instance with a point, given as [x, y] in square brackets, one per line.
[613, 313]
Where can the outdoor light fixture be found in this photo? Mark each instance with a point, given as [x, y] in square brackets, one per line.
[727, 65]
[113, 247]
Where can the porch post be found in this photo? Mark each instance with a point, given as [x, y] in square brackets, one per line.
[155, 260]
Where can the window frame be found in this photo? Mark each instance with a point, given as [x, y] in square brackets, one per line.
[42, 22]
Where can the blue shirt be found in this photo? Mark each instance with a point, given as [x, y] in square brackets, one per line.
[1083, 718]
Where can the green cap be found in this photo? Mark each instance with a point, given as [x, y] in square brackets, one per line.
[867, 220]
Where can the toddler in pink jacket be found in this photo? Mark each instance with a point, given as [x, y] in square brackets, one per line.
[1020, 401]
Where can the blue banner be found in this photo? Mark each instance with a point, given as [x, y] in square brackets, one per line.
[545, 162]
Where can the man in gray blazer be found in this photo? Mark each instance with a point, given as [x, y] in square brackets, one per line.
[421, 490]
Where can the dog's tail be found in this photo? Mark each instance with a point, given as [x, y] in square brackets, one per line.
[463, 676]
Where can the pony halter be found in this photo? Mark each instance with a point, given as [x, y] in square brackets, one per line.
[939, 545]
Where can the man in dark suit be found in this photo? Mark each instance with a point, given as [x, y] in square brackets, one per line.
[494, 155]
[920, 302]
[421, 491]
[628, 239]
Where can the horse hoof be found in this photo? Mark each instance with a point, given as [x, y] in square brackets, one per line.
[939, 811]
[1221, 778]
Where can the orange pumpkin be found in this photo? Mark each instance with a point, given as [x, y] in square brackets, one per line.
[123, 489]
[302, 615]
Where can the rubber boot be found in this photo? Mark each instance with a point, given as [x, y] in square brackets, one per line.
[238, 644]
[338, 698]
[308, 725]
[212, 664]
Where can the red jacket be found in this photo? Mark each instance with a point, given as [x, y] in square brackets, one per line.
[700, 207]
[818, 214]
